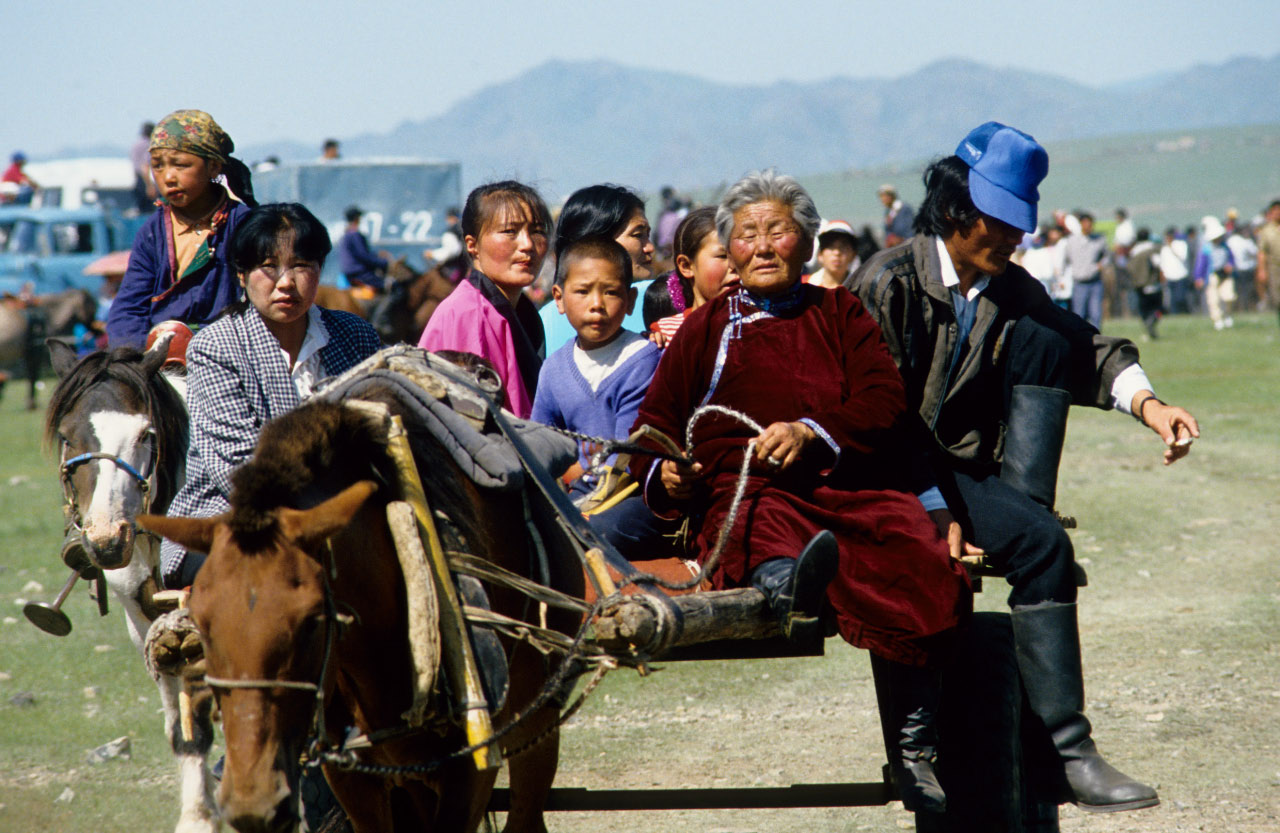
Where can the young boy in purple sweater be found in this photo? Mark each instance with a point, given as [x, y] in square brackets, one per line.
[595, 383]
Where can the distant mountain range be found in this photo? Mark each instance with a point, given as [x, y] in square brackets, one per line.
[563, 125]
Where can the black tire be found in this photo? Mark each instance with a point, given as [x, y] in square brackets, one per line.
[981, 739]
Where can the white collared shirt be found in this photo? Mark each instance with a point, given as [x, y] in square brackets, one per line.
[965, 305]
[598, 364]
[309, 368]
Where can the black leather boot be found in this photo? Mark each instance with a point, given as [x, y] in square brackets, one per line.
[796, 588]
[908, 699]
[1037, 426]
[1047, 644]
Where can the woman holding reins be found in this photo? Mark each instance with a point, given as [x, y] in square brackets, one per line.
[808, 382]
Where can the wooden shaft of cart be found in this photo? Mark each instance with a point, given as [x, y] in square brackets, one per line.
[459, 660]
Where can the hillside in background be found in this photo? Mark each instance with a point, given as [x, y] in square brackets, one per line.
[563, 125]
[1171, 177]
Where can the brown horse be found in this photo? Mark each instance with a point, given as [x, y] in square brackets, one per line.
[307, 543]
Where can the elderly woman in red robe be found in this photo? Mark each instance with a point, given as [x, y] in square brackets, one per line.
[828, 515]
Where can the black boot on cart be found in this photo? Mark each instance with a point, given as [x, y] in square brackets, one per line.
[908, 699]
[1033, 442]
[1047, 645]
[797, 587]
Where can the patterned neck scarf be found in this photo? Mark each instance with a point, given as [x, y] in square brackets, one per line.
[776, 304]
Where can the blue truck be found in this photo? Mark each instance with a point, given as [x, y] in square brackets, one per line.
[50, 247]
[404, 200]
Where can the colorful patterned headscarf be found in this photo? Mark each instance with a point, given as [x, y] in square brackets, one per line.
[195, 131]
[192, 131]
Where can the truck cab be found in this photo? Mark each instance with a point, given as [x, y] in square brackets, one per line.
[50, 247]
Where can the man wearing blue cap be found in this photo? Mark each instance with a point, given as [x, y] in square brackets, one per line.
[991, 367]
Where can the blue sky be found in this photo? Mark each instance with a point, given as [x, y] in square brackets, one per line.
[82, 72]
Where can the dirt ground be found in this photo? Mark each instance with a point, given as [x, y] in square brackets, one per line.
[1179, 622]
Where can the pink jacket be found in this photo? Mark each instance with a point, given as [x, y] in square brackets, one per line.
[466, 321]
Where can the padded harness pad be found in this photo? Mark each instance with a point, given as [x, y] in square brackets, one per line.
[451, 403]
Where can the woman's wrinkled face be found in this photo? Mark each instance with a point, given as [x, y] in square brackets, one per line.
[182, 178]
[767, 248]
[510, 248]
[284, 286]
[635, 239]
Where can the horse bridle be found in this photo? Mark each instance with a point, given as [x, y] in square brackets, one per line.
[331, 615]
[69, 466]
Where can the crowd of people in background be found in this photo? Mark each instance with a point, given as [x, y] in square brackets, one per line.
[1218, 266]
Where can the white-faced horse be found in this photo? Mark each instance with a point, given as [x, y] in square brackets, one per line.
[120, 427]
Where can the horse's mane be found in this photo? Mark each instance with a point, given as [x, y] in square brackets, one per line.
[314, 451]
[165, 409]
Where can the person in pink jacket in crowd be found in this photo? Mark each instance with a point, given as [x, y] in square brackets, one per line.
[505, 227]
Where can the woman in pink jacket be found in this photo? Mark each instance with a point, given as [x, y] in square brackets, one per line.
[505, 228]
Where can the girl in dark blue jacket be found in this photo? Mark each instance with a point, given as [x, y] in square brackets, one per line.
[178, 268]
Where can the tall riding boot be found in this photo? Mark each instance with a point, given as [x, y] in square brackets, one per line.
[908, 699]
[1037, 426]
[1047, 644]
[796, 587]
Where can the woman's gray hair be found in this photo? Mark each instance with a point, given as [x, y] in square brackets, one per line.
[762, 186]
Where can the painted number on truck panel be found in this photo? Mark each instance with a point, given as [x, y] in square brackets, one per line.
[416, 224]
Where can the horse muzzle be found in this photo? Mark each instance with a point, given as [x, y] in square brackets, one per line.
[109, 546]
[282, 818]
[269, 807]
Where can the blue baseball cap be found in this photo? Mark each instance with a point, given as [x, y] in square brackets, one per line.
[1005, 168]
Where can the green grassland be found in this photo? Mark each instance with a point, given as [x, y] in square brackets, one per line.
[1179, 624]
[1162, 178]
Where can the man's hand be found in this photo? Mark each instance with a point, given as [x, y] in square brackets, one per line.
[679, 479]
[949, 531]
[1175, 425]
[782, 443]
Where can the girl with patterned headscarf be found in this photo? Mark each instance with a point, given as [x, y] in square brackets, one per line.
[178, 267]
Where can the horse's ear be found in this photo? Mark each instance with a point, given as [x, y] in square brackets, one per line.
[309, 527]
[61, 355]
[154, 358]
[193, 533]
